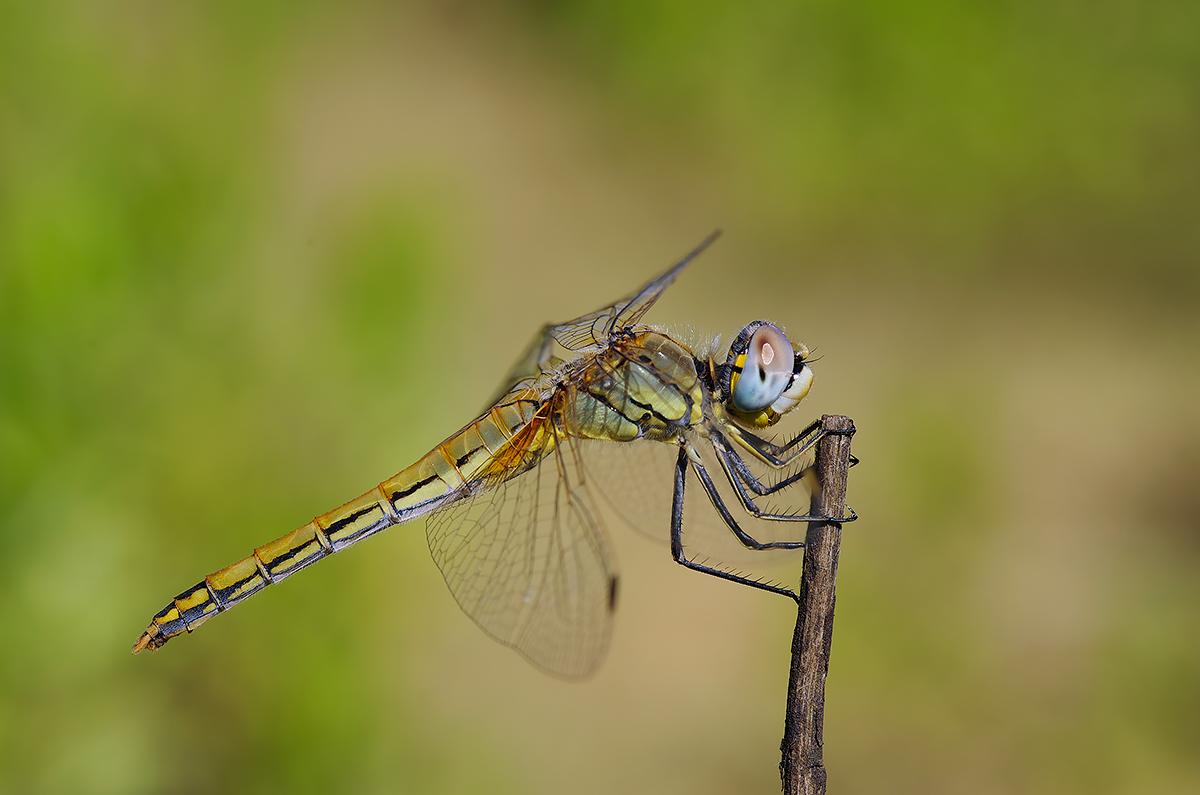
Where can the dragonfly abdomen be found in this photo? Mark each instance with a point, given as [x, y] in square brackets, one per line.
[268, 564]
[450, 470]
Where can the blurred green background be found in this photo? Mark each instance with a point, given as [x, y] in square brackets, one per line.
[256, 256]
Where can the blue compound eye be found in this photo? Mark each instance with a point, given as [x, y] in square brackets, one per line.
[766, 370]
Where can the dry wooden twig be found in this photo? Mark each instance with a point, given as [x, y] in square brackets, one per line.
[802, 767]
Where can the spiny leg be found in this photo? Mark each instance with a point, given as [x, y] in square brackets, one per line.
[681, 466]
[812, 428]
[732, 461]
[779, 456]
[740, 476]
[771, 454]
[745, 538]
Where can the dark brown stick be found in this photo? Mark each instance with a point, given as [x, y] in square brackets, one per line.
[802, 767]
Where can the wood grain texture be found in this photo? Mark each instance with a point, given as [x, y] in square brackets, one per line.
[802, 766]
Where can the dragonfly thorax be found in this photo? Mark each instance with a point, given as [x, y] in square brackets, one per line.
[644, 385]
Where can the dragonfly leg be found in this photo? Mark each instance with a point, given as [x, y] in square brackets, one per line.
[745, 538]
[681, 467]
[774, 455]
[778, 456]
[806, 437]
[740, 476]
[731, 462]
[806, 434]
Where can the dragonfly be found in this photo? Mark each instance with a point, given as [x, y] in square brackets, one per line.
[512, 517]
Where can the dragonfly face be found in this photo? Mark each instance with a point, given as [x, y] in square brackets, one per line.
[511, 517]
[765, 377]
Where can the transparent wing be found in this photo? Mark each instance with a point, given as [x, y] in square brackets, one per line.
[635, 480]
[592, 329]
[538, 358]
[529, 562]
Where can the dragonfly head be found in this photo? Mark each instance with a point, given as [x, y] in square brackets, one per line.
[764, 376]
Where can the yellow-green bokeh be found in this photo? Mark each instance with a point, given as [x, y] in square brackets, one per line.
[255, 257]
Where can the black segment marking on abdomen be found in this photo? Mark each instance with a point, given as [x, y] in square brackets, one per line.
[466, 457]
[420, 484]
[212, 595]
[354, 517]
[293, 552]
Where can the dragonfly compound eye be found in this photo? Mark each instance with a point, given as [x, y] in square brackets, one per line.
[802, 378]
[763, 372]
